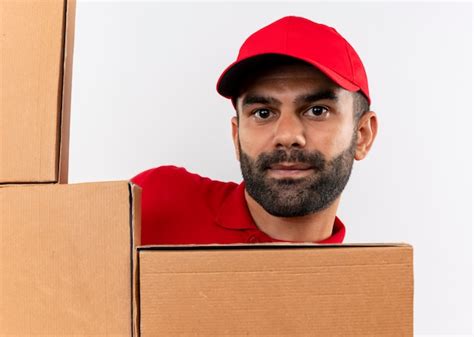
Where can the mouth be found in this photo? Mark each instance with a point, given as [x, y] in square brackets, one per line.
[290, 170]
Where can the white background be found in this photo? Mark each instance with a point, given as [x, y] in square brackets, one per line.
[144, 95]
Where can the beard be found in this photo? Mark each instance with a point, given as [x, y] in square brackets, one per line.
[294, 197]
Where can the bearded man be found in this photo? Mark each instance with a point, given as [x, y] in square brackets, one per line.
[302, 105]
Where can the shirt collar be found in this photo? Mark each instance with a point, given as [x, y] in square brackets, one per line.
[234, 214]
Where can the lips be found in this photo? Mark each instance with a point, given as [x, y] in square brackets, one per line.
[290, 166]
[290, 170]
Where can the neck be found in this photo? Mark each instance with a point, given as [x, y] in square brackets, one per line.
[309, 228]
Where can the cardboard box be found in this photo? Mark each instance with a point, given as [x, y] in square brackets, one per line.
[67, 255]
[263, 290]
[36, 48]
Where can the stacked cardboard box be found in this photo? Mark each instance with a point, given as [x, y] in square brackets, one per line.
[67, 252]
[70, 261]
[36, 44]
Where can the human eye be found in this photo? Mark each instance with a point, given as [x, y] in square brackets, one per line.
[317, 111]
[262, 114]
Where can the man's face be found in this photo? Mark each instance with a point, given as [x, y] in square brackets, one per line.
[295, 139]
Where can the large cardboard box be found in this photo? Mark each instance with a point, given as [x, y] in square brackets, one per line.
[67, 256]
[268, 290]
[36, 48]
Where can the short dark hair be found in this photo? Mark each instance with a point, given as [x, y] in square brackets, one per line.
[361, 105]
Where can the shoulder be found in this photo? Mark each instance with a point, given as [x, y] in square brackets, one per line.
[164, 175]
[168, 181]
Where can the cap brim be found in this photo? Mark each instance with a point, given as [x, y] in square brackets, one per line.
[229, 82]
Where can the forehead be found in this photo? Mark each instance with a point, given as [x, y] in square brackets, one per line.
[287, 77]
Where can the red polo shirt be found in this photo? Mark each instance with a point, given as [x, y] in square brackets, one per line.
[179, 207]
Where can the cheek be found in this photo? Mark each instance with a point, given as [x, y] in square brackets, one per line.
[253, 142]
[344, 138]
[331, 140]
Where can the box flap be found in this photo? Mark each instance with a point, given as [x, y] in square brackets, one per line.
[268, 245]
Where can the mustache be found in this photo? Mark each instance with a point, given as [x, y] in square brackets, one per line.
[315, 159]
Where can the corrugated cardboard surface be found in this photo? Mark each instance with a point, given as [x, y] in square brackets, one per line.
[35, 89]
[319, 290]
[66, 259]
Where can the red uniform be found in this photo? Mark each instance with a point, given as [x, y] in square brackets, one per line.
[179, 207]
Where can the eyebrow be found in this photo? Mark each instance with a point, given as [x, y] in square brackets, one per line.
[307, 98]
[317, 96]
[258, 99]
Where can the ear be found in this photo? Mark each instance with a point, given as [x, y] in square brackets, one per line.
[235, 136]
[366, 132]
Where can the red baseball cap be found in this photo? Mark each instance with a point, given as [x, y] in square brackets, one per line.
[303, 39]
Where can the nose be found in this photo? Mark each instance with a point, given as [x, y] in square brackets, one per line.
[289, 131]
